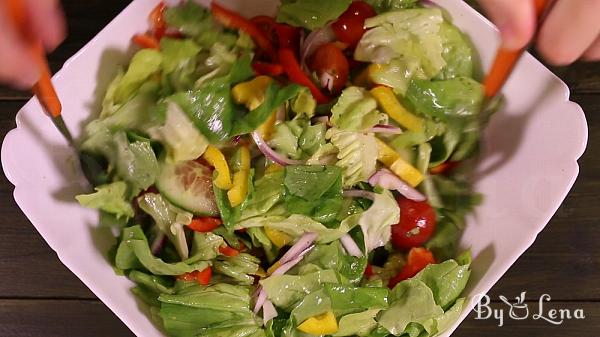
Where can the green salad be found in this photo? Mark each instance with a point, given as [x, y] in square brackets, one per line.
[292, 176]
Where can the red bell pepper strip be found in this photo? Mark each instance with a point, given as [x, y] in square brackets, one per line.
[444, 168]
[289, 37]
[158, 25]
[231, 19]
[205, 225]
[267, 69]
[369, 271]
[292, 68]
[203, 277]
[418, 259]
[228, 251]
[146, 41]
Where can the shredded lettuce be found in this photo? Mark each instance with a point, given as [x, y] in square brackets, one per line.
[457, 53]
[297, 138]
[333, 257]
[409, 37]
[238, 269]
[356, 110]
[357, 154]
[376, 222]
[182, 141]
[110, 198]
[134, 253]
[168, 219]
[310, 14]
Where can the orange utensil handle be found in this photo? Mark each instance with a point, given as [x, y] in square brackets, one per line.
[43, 89]
[506, 60]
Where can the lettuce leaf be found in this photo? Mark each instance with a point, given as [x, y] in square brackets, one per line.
[356, 110]
[333, 257]
[459, 97]
[410, 37]
[216, 310]
[134, 253]
[297, 138]
[358, 324]
[181, 140]
[285, 290]
[295, 225]
[205, 247]
[347, 299]
[357, 154]
[457, 53]
[382, 6]
[144, 64]
[315, 191]
[426, 304]
[310, 14]
[213, 112]
[268, 192]
[238, 269]
[376, 221]
[109, 198]
[195, 21]
[180, 62]
[168, 219]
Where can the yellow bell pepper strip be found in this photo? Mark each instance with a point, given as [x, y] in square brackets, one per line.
[251, 93]
[237, 193]
[324, 324]
[273, 267]
[217, 160]
[267, 128]
[277, 237]
[399, 166]
[389, 103]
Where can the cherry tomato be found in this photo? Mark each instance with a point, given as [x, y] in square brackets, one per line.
[417, 224]
[418, 259]
[331, 66]
[349, 28]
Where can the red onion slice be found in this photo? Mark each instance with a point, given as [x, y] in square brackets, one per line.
[381, 128]
[359, 194]
[260, 300]
[269, 312]
[285, 267]
[303, 243]
[350, 246]
[272, 154]
[388, 180]
[321, 119]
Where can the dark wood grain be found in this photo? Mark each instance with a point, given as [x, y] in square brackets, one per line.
[40, 297]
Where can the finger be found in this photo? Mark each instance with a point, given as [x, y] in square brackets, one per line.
[17, 66]
[514, 18]
[593, 52]
[47, 20]
[569, 30]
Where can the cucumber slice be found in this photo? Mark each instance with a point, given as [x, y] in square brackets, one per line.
[188, 185]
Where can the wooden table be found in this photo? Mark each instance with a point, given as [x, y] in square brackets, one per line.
[40, 297]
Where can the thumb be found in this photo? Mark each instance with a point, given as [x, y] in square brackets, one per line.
[514, 18]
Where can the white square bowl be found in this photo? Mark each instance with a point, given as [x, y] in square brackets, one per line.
[528, 164]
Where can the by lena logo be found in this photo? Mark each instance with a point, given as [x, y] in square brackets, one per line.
[518, 310]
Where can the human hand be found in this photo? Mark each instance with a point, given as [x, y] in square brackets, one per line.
[17, 67]
[571, 29]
